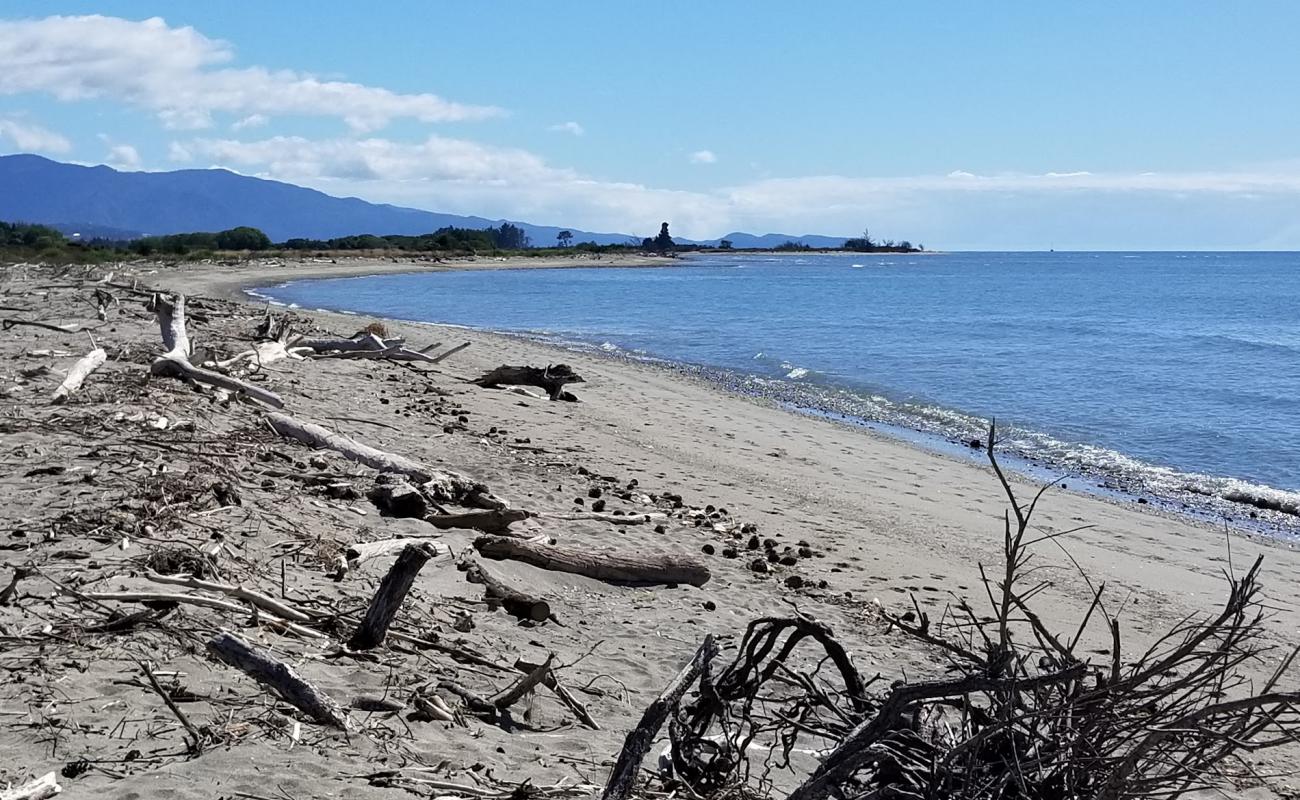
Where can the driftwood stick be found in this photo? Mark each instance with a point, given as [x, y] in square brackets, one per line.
[449, 486]
[71, 327]
[388, 599]
[613, 567]
[40, 788]
[623, 777]
[78, 374]
[518, 603]
[269, 671]
[195, 743]
[367, 341]
[247, 595]
[523, 686]
[453, 351]
[197, 600]
[561, 691]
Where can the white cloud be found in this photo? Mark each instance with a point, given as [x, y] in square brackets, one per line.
[703, 157]
[568, 127]
[123, 156]
[250, 121]
[184, 77]
[32, 138]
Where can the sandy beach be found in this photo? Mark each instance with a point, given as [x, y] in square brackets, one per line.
[881, 521]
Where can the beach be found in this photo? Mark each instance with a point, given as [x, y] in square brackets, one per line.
[882, 522]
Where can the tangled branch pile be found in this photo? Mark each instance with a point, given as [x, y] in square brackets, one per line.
[1025, 713]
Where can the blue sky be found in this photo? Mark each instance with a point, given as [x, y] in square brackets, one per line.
[959, 125]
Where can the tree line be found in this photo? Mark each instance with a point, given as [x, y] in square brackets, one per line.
[28, 241]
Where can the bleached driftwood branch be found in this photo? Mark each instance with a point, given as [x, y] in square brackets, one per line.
[78, 374]
[448, 486]
[176, 361]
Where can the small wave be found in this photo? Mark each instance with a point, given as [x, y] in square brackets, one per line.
[609, 347]
[797, 373]
[856, 266]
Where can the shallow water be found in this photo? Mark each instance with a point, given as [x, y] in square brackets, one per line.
[1171, 373]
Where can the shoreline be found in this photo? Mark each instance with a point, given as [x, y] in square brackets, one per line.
[1249, 513]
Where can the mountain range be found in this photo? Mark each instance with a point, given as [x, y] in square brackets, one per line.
[106, 203]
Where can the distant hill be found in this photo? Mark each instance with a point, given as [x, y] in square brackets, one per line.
[103, 202]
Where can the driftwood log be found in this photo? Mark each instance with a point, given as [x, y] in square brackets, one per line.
[269, 671]
[446, 486]
[362, 551]
[41, 788]
[622, 779]
[395, 497]
[517, 602]
[78, 374]
[175, 362]
[388, 598]
[613, 567]
[552, 380]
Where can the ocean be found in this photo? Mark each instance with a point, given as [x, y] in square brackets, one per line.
[1174, 377]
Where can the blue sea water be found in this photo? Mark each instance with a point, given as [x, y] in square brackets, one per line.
[1174, 374]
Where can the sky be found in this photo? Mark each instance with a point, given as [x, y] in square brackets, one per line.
[958, 125]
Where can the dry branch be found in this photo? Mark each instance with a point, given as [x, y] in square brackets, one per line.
[271, 672]
[625, 567]
[198, 600]
[78, 374]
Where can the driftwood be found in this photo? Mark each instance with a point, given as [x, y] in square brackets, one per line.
[523, 686]
[248, 596]
[71, 327]
[361, 342]
[281, 677]
[176, 361]
[552, 380]
[361, 551]
[40, 788]
[496, 520]
[622, 778]
[368, 345]
[517, 602]
[263, 353]
[561, 691]
[198, 600]
[388, 598]
[448, 486]
[78, 374]
[612, 567]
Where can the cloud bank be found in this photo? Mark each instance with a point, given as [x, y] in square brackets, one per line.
[184, 77]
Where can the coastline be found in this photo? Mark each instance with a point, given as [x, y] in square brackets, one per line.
[886, 521]
[1203, 498]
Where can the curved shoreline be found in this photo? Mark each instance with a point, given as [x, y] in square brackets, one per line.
[1252, 510]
